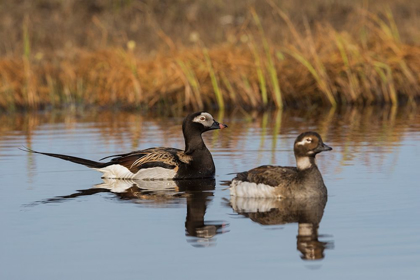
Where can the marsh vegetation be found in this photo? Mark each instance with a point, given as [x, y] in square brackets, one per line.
[200, 54]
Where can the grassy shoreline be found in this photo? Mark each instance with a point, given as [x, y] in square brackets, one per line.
[317, 64]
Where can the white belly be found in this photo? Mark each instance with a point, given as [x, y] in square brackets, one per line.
[116, 171]
[253, 205]
[120, 186]
[247, 189]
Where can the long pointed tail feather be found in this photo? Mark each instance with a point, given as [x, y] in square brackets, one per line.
[85, 162]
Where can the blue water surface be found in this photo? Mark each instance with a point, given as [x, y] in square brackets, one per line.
[369, 229]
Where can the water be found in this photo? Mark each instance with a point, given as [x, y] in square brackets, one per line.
[57, 223]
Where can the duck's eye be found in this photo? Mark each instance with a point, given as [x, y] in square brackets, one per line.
[202, 118]
[308, 140]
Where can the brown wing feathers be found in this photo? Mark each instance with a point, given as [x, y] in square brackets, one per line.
[268, 175]
[157, 156]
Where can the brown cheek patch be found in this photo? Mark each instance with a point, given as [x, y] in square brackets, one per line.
[313, 145]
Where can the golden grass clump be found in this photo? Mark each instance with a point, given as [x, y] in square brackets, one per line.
[318, 64]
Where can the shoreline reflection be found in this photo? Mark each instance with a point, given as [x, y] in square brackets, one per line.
[345, 128]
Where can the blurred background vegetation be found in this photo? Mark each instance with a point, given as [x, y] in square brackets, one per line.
[198, 54]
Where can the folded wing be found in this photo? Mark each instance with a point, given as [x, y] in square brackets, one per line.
[275, 176]
[148, 158]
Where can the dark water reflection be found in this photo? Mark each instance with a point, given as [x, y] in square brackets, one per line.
[306, 212]
[55, 212]
[163, 193]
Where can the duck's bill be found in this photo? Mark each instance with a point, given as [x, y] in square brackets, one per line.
[322, 148]
[325, 147]
[217, 125]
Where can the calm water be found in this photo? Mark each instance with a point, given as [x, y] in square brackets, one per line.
[57, 221]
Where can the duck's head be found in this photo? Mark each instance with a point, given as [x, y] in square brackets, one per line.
[307, 146]
[200, 122]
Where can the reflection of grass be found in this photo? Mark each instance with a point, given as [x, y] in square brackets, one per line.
[366, 135]
[276, 132]
[318, 64]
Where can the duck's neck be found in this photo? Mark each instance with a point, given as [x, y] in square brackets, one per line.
[304, 163]
[201, 163]
[193, 142]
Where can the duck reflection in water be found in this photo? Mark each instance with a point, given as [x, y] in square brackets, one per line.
[164, 193]
[307, 212]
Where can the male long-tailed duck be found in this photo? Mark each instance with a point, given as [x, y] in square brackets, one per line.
[268, 181]
[161, 163]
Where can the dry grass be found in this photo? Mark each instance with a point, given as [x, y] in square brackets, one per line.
[315, 63]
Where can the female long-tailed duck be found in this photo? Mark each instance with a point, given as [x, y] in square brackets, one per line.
[161, 163]
[305, 180]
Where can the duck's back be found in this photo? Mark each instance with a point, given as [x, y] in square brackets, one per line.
[264, 181]
[278, 181]
[152, 163]
[269, 175]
